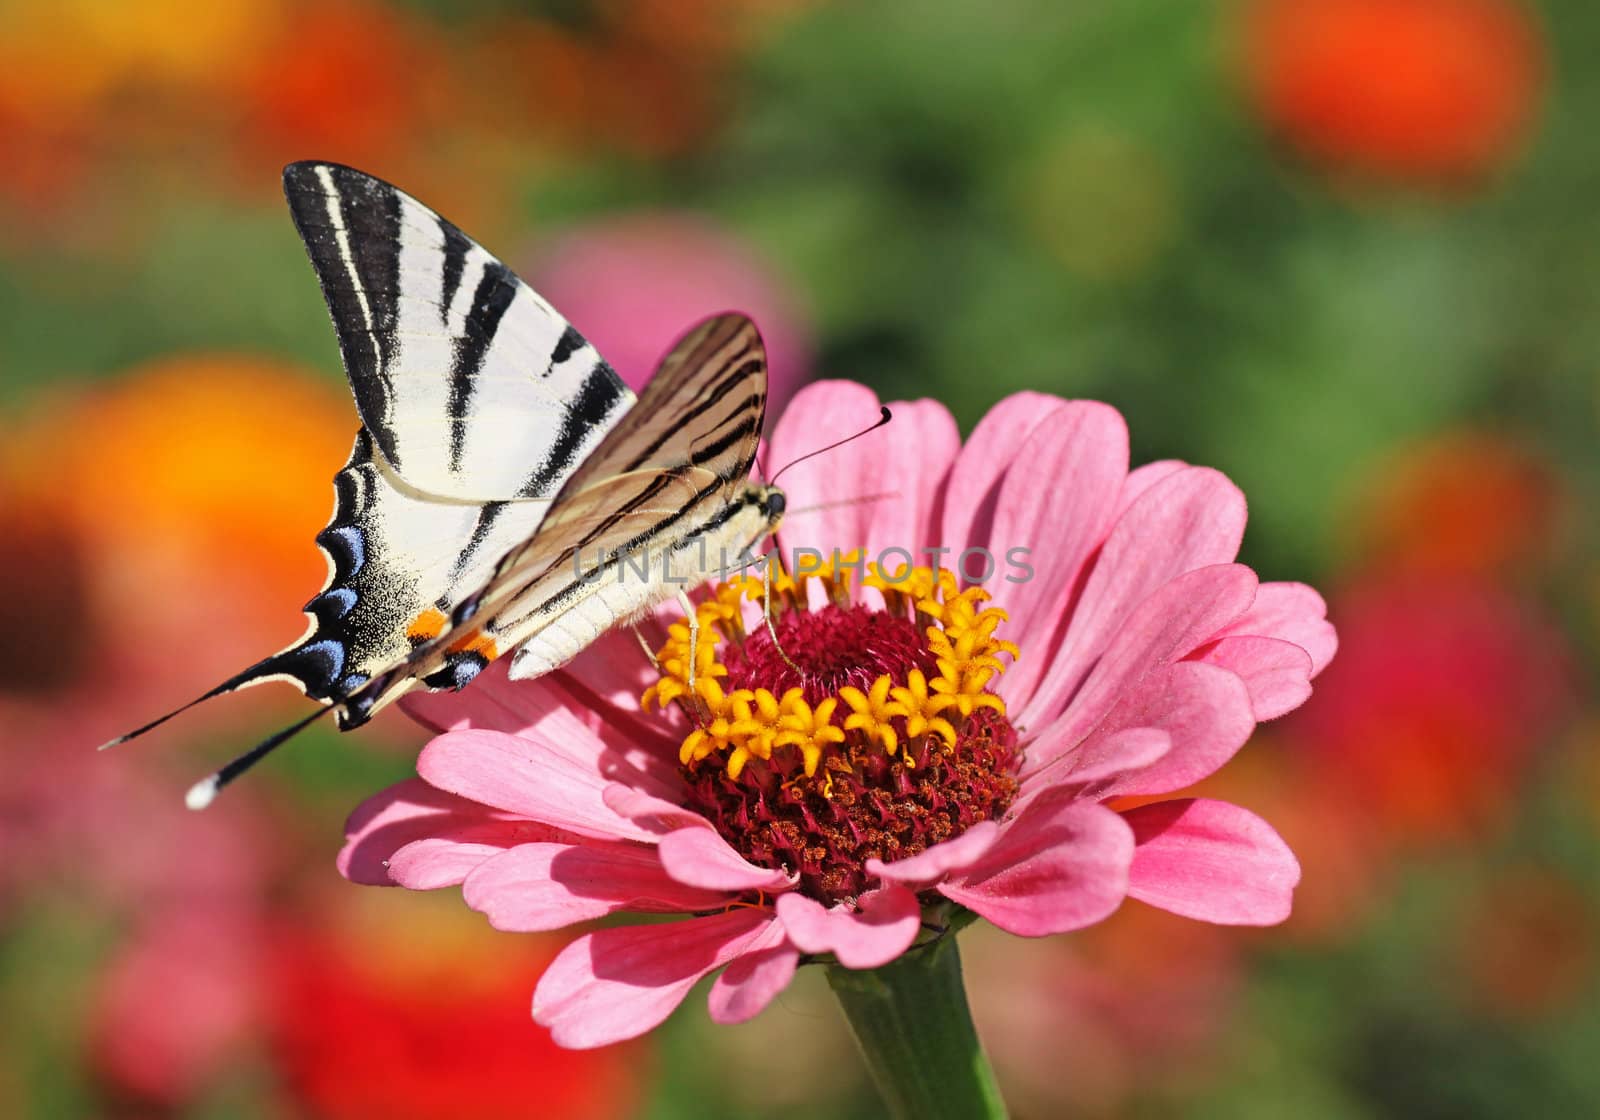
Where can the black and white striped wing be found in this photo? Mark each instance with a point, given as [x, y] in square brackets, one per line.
[661, 480]
[472, 386]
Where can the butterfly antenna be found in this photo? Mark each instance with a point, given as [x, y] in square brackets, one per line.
[202, 793]
[882, 420]
[836, 504]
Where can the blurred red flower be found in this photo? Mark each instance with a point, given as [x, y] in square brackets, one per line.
[429, 1023]
[1441, 694]
[1431, 91]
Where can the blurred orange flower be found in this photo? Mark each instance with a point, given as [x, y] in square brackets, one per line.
[350, 80]
[1464, 504]
[1429, 91]
[185, 496]
[80, 79]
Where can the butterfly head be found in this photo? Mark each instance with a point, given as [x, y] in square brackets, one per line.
[762, 509]
[769, 502]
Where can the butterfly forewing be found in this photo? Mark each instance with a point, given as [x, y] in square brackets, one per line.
[471, 384]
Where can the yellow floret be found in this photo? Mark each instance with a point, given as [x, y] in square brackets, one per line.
[872, 713]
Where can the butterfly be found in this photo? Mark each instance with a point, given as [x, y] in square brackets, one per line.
[507, 494]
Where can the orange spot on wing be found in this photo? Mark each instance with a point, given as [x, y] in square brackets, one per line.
[426, 626]
[477, 642]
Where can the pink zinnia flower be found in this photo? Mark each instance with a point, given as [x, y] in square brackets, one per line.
[912, 748]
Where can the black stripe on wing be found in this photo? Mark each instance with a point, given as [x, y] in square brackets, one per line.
[350, 223]
[495, 291]
[600, 396]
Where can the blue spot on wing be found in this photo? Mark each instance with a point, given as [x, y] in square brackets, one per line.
[317, 665]
[347, 547]
[332, 605]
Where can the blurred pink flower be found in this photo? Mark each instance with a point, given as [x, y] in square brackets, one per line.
[1143, 659]
[180, 999]
[1081, 1025]
[633, 284]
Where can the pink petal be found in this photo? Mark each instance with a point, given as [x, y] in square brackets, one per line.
[493, 703]
[986, 459]
[1059, 865]
[875, 931]
[1143, 477]
[752, 981]
[818, 413]
[1294, 613]
[938, 860]
[551, 778]
[614, 669]
[1276, 673]
[1084, 456]
[547, 886]
[1211, 861]
[445, 859]
[1193, 518]
[620, 983]
[1104, 754]
[388, 821]
[1180, 616]
[657, 816]
[691, 851]
[698, 856]
[1204, 710]
[556, 706]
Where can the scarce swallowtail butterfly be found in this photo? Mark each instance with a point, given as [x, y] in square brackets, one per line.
[502, 475]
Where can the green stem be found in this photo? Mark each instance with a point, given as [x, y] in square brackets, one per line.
[911, 1022]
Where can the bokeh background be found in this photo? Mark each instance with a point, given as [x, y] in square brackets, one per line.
[1346, 250]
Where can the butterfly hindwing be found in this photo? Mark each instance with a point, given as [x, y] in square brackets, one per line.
[398, 559]
[660, 482]
[472, 386]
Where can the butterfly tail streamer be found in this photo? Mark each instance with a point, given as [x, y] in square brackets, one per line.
[279, 666]
[203, 792]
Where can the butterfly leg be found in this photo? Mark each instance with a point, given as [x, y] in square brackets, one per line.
[766, 614]
[692, 616]
[650, 654]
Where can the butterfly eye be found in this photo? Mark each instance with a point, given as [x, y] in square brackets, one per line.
[775, 503]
